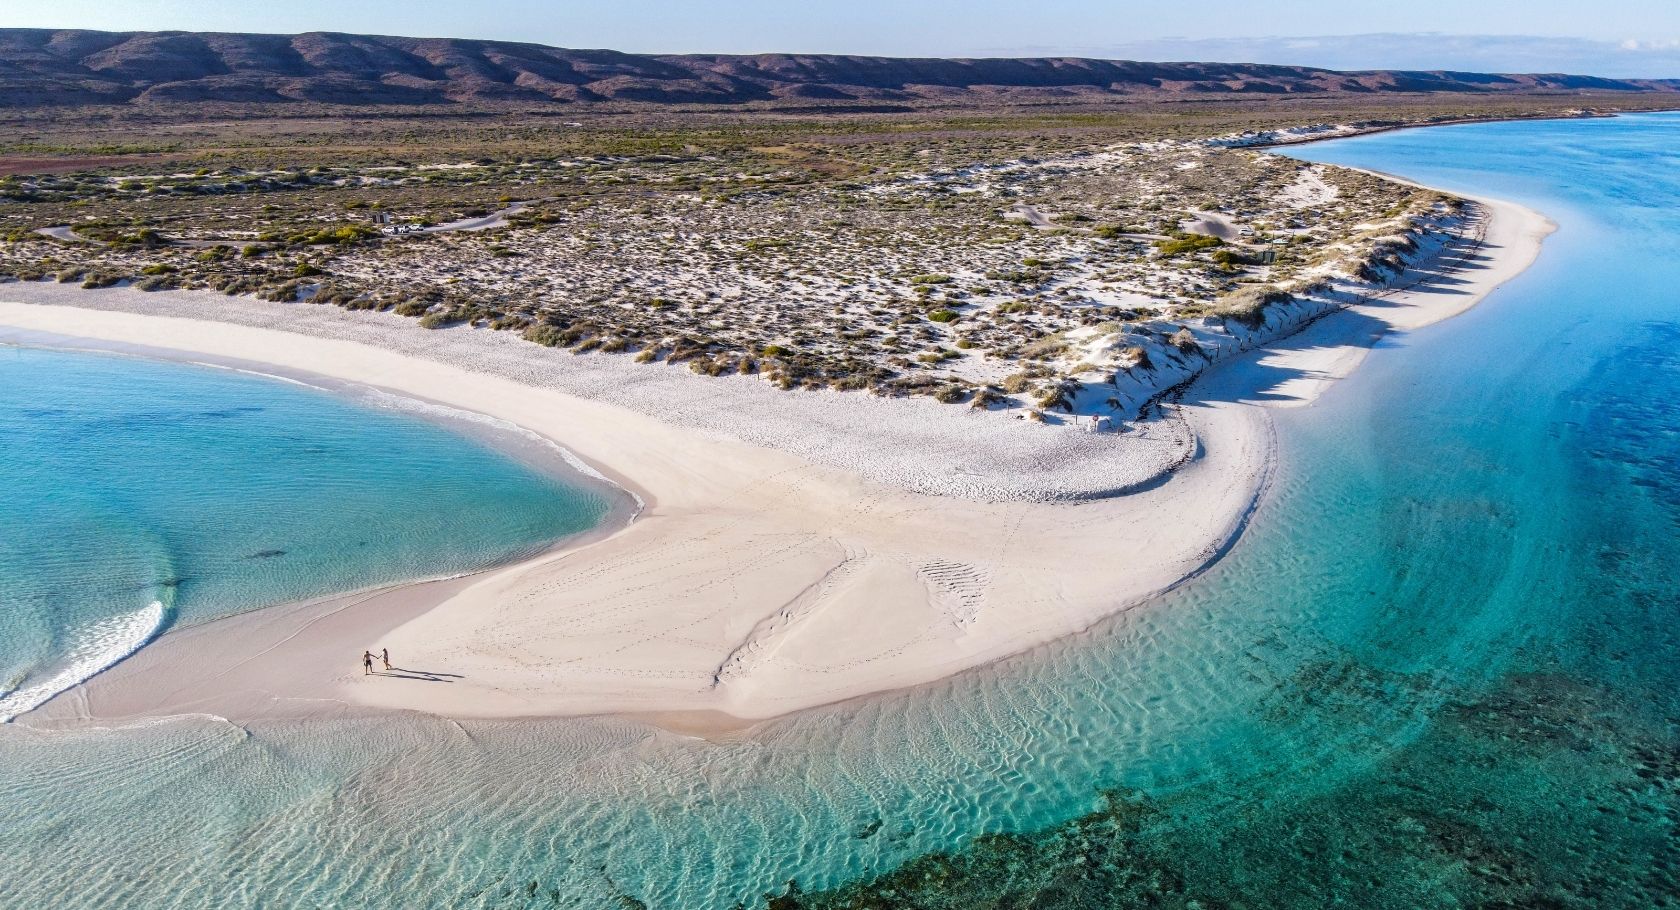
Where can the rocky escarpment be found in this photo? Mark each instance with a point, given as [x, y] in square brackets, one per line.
[66, 67]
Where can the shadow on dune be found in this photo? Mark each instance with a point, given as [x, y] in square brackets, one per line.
[1252, 380]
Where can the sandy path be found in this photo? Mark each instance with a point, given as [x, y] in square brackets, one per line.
[756, 582]
[68, 234]
[488, 222]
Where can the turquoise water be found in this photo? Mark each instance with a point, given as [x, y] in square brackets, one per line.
[143, 495]
[1440, 670]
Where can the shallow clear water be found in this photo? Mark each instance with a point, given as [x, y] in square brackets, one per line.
[143, 494]
[1439, 670]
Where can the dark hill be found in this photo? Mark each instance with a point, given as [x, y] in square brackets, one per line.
[45, 67]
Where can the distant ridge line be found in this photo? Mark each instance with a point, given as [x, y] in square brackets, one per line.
[79, 67]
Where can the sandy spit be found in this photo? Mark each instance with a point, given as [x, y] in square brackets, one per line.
[795, 549]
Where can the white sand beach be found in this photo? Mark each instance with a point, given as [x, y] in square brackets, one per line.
[795, 549]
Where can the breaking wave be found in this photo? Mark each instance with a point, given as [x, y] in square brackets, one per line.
[97, 647]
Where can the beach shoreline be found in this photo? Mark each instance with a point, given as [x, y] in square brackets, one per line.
[757, 581]
[1584, 114]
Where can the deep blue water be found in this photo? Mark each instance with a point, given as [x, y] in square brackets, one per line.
[142, 495]
[1441, 669]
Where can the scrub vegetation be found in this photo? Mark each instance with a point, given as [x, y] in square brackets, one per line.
[1009, 257]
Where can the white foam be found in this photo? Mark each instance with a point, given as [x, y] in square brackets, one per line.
[396, 402]
[98, 646]
[258, 373]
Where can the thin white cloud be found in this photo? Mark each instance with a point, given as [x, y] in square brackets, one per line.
[1634, 44]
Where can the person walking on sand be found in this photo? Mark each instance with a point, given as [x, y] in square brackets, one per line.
[385, 657]
[367, 663]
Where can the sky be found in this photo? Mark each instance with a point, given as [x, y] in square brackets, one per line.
[1598, 37]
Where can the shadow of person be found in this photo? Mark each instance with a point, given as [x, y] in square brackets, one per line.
[422, 675]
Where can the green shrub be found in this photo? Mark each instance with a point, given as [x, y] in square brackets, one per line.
[546, 335]
[342, 236]
[942, 316]
[1229, 257]
[1180, 244]
[146, 237]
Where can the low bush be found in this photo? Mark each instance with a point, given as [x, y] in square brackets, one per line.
[1044, 348]
[950, 394]
[1180, 244]
[1231, 257]
[1248, 305]
[440, 319]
